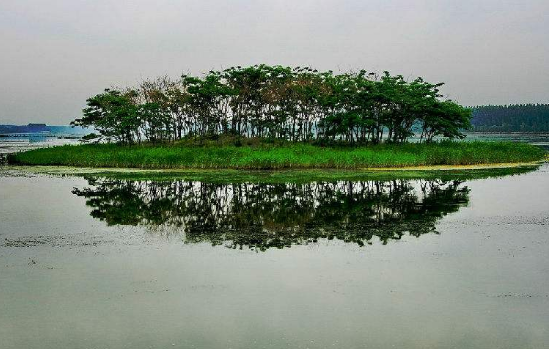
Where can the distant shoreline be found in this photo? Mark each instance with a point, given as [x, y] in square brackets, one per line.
[509, 132]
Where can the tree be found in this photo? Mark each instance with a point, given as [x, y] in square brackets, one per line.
[113, 115]
[297, 104]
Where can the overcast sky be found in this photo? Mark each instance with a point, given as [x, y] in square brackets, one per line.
[55, 54]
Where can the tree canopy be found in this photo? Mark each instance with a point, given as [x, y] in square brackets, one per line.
[295, 104]
[511, 118]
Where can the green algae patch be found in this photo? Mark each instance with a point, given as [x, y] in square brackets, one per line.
[284, 176]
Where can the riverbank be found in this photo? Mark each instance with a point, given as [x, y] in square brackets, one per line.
[278, 157]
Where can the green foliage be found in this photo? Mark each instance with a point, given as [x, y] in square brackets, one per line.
[113, 114]
[511, 118]
[91, 137]
[276, 102]
[280, 156]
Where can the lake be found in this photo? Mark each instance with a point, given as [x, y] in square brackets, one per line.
[14, 144]
[94, 262]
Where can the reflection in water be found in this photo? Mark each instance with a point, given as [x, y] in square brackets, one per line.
[261, 216]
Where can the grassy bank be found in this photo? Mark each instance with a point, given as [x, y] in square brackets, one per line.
[290, 156]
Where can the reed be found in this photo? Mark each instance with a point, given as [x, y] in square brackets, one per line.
[280, 156]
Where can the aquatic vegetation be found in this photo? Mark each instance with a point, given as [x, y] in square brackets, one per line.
[280, 156]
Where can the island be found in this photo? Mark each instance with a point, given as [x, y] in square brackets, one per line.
[277, 117]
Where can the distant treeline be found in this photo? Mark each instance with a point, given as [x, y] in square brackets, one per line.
[511, 118]
[294, 104]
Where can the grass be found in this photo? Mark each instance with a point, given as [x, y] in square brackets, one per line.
[277, 157]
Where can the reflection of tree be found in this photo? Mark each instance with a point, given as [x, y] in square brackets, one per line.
[262, 216]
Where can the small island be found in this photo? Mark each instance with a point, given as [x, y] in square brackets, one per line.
[275, 117]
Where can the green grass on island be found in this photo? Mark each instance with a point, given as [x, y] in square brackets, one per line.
[264, 156]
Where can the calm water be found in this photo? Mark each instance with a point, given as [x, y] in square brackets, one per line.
[539, 139]
[108, 263]
[14, 144]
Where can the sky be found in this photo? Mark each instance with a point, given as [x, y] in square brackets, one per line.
[55, 54]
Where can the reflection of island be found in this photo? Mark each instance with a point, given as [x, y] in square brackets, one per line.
[261, 216]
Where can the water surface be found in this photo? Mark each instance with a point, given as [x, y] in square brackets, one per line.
[109, 263]
[94, 262]
[14, 144]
